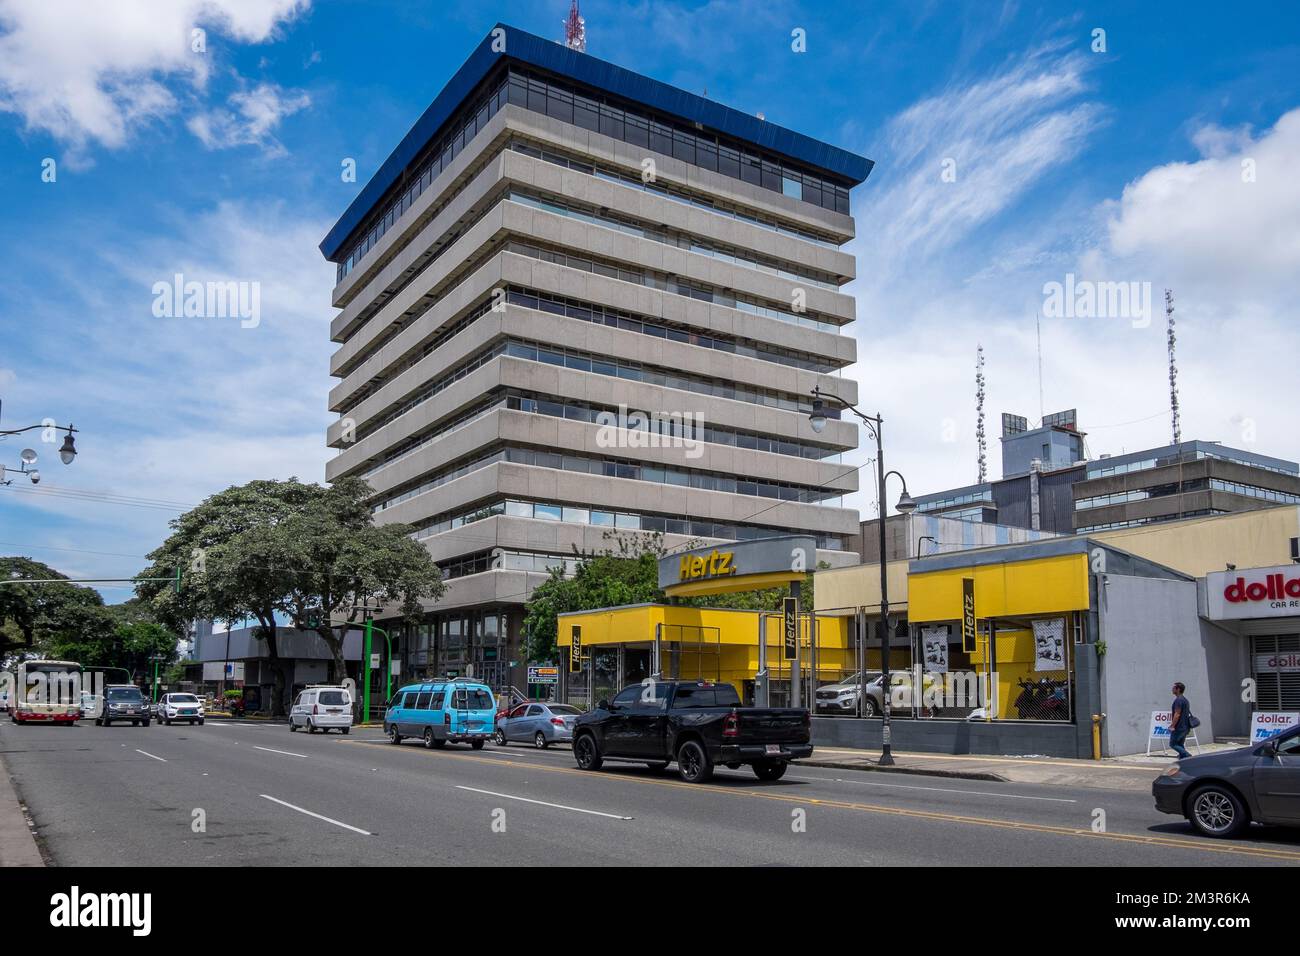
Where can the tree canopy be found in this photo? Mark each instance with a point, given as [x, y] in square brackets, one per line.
[306, 552]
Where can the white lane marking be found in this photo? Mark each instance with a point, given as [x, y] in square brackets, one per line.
[903, 786]
[337, 823]
[286, 753]
[147, 754]
[543, 803]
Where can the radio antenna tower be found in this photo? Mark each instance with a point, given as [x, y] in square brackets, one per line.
[979, 421]
[1173, 366]
[575, 29]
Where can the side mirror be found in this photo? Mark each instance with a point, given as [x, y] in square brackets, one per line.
[604, 704]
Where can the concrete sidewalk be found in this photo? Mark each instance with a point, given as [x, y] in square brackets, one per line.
[17, 844]
[1113, 773]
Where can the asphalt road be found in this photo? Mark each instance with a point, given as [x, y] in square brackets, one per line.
[134, 796]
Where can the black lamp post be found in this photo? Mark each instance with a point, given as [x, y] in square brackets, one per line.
[817, 418]
[67, 451]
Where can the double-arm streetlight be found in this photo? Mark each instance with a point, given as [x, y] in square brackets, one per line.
[817, 418]
[67, 451]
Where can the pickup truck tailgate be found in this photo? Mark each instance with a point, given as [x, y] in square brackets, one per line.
[762, 725]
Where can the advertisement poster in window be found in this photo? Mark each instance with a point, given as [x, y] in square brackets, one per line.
[934, 649]
[1049, 644]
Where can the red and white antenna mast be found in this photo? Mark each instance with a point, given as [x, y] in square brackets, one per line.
[575, 29]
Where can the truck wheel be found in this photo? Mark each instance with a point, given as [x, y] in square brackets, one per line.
[477, 744]
[770, 769]
[693, 763]
[393, 736]
[586, 753]
[429, 740]
[1216, 811]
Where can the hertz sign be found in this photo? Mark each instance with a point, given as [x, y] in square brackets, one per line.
[745, 565]
[714, 565]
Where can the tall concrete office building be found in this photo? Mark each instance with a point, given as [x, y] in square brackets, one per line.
[577, 303]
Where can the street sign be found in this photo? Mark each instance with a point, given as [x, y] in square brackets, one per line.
[395, 668]
[575, 650]
[790, 627]
[543, 674]
[374, 661]
[968, 615]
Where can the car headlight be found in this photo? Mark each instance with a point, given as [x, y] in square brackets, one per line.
[1172, 771]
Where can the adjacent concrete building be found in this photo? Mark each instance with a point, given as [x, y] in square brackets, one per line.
[1049, 484]
[577, 303]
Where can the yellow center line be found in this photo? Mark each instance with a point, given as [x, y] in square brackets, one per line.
[1259, 852]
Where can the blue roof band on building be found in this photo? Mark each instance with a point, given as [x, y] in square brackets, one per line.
[528, 49]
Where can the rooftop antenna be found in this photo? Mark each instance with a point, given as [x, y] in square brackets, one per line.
[1172, 339]
[979, 421]
[575, 29]
[1038, 327]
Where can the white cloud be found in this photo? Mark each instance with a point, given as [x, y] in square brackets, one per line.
[88, 71]
[179, 408]
[250, 120]
[943, 271]
[954, 161]
[1224, 224]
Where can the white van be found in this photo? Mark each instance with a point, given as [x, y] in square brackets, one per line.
[323, 708]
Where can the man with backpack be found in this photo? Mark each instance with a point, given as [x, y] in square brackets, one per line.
[1180, 721]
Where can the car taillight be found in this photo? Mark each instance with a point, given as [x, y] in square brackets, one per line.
[446, 719]
[557, 721]
[315, 709]
[731, 725]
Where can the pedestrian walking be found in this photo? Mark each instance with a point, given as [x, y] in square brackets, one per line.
[1180, 721]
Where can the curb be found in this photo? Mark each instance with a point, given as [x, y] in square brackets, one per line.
[918, 771]
[17, 842]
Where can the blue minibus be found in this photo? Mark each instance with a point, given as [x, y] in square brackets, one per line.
[436, 711]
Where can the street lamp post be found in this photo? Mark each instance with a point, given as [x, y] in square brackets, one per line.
[817, 418]
[157, 659]
[67, 451]
[365, 653]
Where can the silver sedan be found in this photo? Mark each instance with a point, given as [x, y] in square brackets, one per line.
[538, 724]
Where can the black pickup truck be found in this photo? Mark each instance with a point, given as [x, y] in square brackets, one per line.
[697, 723]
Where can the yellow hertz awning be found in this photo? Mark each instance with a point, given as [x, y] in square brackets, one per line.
[744, 582]
[1017, 589]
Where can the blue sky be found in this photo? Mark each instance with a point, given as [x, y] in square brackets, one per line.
[1117, 165]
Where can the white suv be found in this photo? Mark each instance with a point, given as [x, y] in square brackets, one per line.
[322, 708]
[185, 707]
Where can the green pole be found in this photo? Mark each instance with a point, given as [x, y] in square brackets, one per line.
[155, 681]
[388, 678]
[365, 669]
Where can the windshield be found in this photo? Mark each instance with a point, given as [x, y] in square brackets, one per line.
[184, 699]
[124, 693]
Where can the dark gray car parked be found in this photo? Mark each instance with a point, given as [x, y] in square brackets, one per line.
[1220, 794]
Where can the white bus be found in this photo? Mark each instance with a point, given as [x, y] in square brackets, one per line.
[46, 692]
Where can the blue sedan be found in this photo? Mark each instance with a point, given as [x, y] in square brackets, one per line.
[538, 724]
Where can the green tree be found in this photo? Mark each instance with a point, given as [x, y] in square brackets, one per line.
[229, 572]
[40, 617]
[305, 552]
[342, 563]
